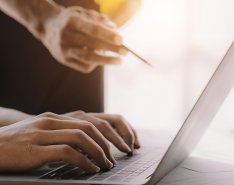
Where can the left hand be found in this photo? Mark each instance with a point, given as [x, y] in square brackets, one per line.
[81, 39]
[114, 127]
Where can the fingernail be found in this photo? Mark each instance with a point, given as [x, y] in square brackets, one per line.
[95, 169]
[109, 164]
[113, 161]
[128, 149]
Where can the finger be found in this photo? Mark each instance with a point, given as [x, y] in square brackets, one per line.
[102, 32]
[49, 120]
[137, 142]
[107, 22]
[58, 122]
[97, 136]
[80, 66]
[102, 142]
[76, 138]
[95, 16]
[74, 114]
[73, 38]
[99, 17]
[95, 29]
[105, 128]
[67, 154]
[86, 56]
[121, 125]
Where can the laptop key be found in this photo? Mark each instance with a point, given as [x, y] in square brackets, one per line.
[83, 177]
[72, 173]
[55, 172]
[116, 178]
[97, 179]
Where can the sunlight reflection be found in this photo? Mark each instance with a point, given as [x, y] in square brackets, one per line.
[185, 40]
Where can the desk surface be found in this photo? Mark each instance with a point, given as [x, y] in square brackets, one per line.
[212, 162]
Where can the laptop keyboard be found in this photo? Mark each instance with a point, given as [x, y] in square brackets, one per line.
[126, 169]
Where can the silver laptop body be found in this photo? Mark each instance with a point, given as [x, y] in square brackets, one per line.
[150, 164]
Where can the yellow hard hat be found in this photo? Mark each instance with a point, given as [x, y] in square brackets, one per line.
[118, 11]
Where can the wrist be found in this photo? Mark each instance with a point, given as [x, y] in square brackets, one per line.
[45, 13]
[10, 116]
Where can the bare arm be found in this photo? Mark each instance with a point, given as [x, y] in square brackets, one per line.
[10, 116]
[53, 137]
[76, 37]
[31, 13]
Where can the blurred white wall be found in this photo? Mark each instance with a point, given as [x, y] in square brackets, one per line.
[184, 40]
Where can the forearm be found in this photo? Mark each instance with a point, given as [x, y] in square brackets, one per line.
[33, 14]
[9, 116]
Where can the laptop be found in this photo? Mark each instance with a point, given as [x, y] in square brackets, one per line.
[150, 164]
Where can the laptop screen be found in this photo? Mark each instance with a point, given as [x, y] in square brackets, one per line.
[200, 117]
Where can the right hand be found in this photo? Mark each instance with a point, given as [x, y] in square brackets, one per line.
[79, 39]
[49, 137]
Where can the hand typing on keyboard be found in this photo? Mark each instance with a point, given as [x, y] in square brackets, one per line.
[77, 138]
[114, 127]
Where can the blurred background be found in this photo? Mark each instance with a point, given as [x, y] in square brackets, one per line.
[185, 41]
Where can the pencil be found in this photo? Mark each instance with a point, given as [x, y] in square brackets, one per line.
[136, 55]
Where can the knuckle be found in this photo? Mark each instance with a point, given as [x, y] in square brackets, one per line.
[47, 115]
[100, 151]
[80, 112]
[46, 120]
[72, 21]
[79, 134]
[90, 129]
[87, 126]
[43, 122]
[65, 149]
[69, 20]
[119, 117]
[104, 125]
[82, 137]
